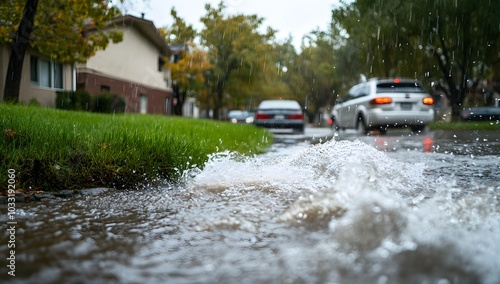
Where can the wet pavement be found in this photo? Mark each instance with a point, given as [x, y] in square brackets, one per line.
[317, 208]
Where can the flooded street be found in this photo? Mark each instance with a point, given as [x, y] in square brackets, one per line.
[399, 208]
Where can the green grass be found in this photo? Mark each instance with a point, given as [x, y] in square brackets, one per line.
[466, 125]
[54, 149]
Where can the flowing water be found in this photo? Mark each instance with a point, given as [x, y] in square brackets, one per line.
[360, 210]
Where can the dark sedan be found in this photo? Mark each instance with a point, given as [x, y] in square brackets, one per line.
[481, 113]
[240, 116]
[280, 114]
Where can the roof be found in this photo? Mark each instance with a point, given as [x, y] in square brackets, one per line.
[147, 28]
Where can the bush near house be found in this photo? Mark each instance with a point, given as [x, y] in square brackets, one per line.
[52, 149]
[108, 103]
[83, 101]
[73, 100]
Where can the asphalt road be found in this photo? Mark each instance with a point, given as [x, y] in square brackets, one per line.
[459, 142]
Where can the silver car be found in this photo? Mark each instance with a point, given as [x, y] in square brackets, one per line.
[379, 104]
[280, 114]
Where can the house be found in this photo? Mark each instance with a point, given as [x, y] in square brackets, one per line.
[132, 68]
[41, 77]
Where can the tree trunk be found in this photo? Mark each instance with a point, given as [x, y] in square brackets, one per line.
[179, 97]
[219, 97]
[456, 106]
[178, 108]
[19, 46]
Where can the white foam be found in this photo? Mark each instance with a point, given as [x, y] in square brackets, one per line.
[373, 206]
[316, 168]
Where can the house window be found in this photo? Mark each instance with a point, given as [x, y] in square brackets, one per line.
[161, 62]
[144, 104]
[105, 89]
[46, 73]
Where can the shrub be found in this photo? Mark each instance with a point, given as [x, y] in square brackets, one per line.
[73, 100]
[108, 103]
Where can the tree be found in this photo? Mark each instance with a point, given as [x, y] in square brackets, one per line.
[238, 52]
[278, 82]
[179, 32]
[188, 73]
[19, 46]
[67, 31]
[375, 38]
[316, 66]
[187, 70]
[463, 39]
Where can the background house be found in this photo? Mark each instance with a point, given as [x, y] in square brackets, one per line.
[132, 68]
[42, 77]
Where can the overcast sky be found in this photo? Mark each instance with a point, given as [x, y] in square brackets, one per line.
[288, 17]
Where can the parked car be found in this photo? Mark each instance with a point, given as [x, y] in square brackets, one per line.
[240, 116]
[481, 113]
[379, 104]
[281, 114]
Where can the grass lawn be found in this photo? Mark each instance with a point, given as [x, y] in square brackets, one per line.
[53, 149]
[466, 125]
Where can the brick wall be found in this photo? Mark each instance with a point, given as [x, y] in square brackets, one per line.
[96, 84]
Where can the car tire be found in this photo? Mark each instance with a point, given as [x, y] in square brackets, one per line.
[383, 130]
[417, 128]
[361, 126]
[335, 126]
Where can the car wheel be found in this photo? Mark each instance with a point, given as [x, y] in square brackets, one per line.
[361, 126]
[417, 128]
[335, 126]
[382, 130]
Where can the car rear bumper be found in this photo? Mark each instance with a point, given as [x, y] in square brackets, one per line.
[299, 125]
[400, 118]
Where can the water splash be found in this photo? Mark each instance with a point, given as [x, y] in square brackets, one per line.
[338, 212]
[386, 219]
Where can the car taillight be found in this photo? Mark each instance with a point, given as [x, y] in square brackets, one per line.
[428, 101]
[262, 116]
[381, 101]
[296, 116]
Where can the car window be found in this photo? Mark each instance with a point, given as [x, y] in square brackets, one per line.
[364, 91]
[392, 87]
[359, 91]
[279, 104]
[353, 93]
